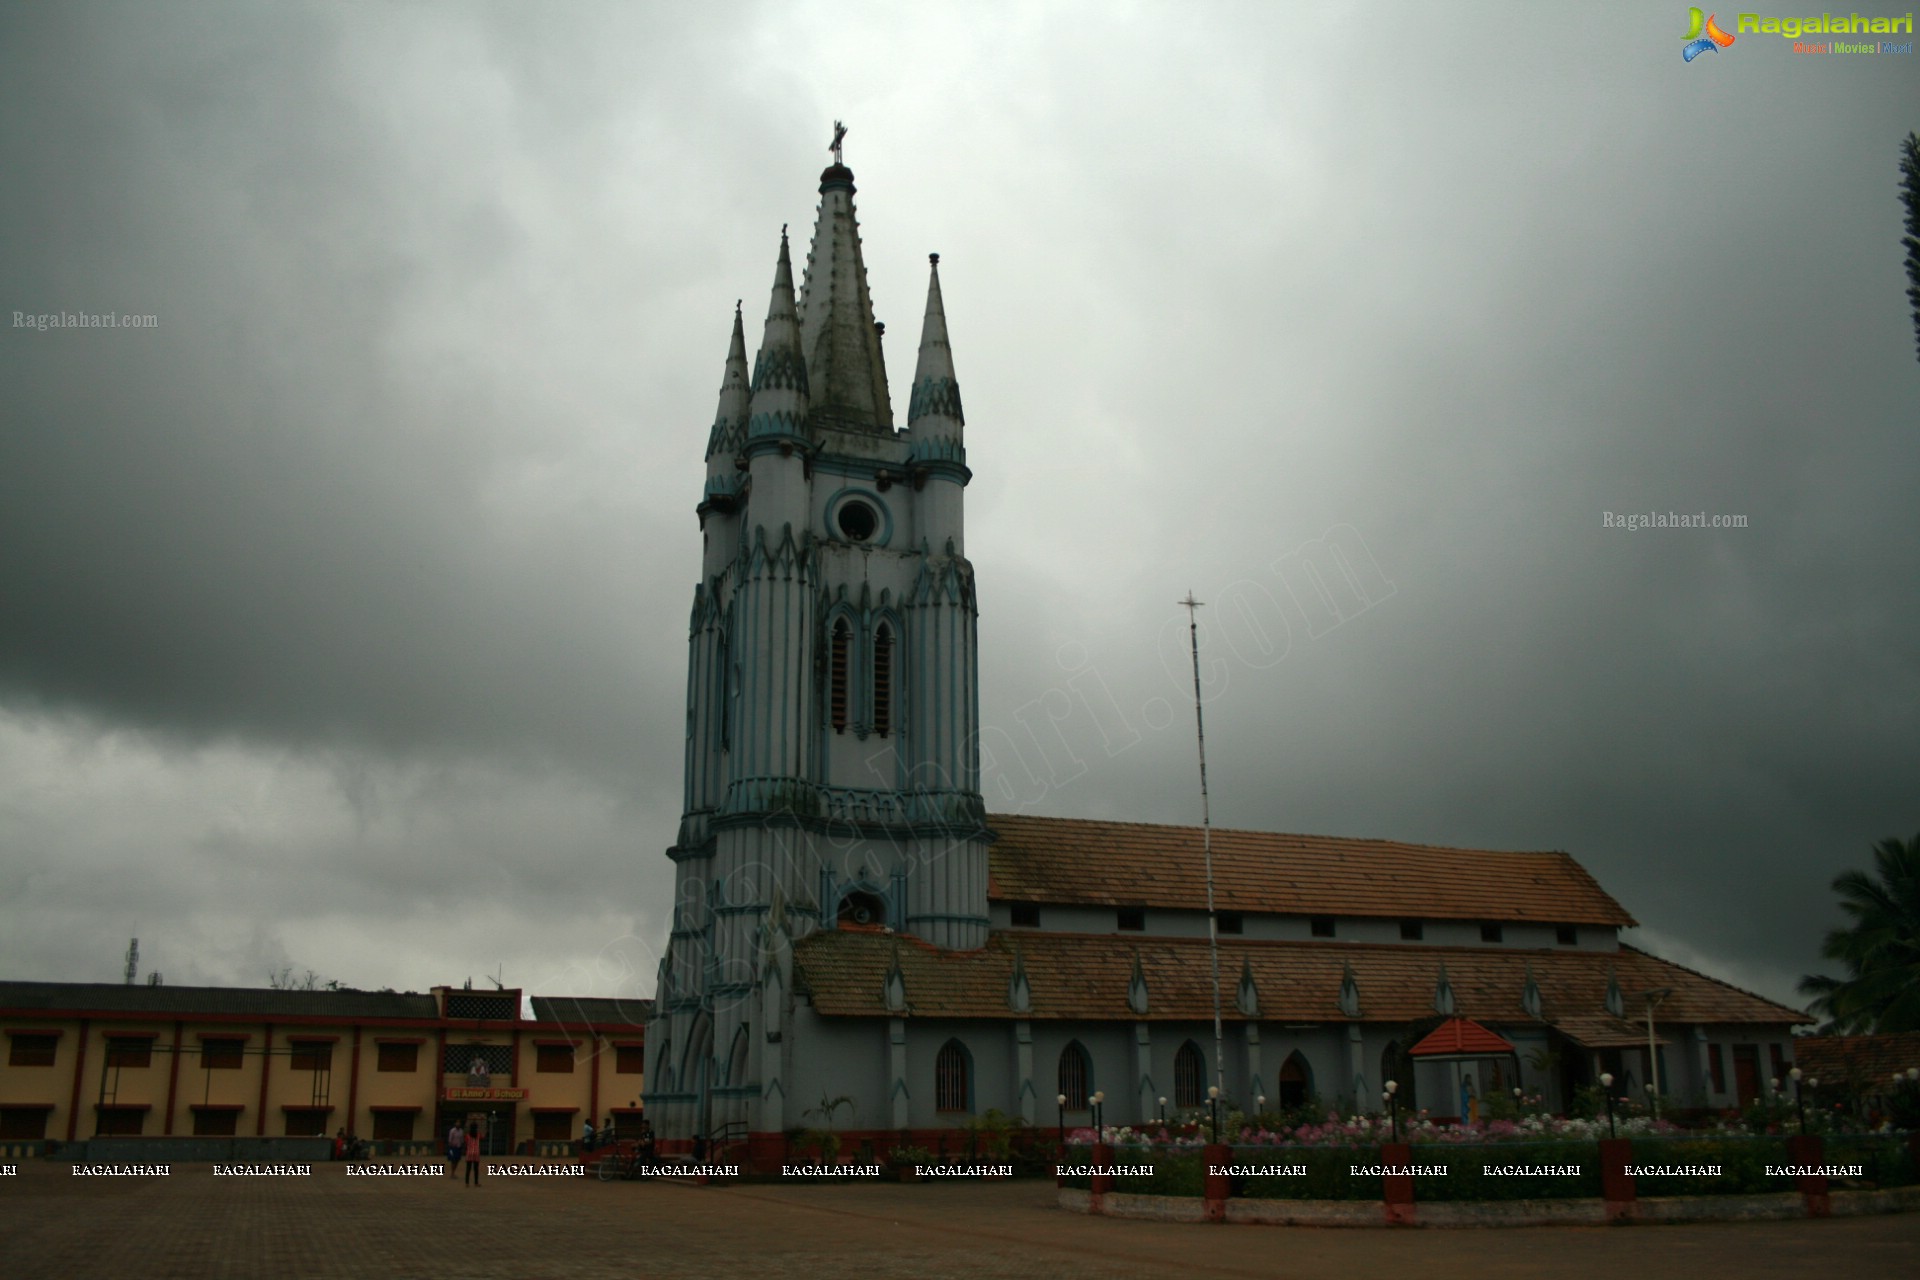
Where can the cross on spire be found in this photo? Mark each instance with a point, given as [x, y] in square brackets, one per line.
[839, 132]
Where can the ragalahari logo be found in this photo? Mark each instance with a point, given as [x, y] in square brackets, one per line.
[1703, 35]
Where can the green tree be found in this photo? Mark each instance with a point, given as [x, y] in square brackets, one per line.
[1910, 193]
[1880, 948]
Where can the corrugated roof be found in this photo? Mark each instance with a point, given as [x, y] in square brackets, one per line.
[596, 1010]
[1075, 860]
[113, 997]
[1086, 976]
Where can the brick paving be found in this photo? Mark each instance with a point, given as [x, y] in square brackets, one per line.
[190, 1225]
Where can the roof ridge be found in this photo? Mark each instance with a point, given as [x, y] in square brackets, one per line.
[992, 819]
[1799, 1014]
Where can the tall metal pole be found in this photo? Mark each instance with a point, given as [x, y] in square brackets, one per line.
[1206, 844]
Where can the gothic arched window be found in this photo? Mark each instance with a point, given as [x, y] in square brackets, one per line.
[1296, 1081]
[1076, 1076]
[737, 1057]
[952, 1078]
[837, 675]
[883, 680]
[1189, 1076]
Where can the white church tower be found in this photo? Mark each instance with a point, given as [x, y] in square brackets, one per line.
[832, 757]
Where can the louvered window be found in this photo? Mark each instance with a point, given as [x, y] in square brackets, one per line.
[837, 676]
[883, 681]
[952, 1090]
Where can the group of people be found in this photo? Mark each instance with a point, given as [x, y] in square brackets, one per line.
[465, 1144]
[606, 1135]
[347, 1146]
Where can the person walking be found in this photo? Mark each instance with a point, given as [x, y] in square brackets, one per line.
[456, 1145]
[473, 1154]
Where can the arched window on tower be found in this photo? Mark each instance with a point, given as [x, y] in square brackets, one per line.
[862, 909]
[737, 1057]
[1189, 1076]
[883, 680]
[837, 675]
[1076, 1076]
[952, 1078]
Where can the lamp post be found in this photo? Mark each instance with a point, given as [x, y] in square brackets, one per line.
[1799, 1100]
[1392, 1097]
[1163, 1111]
[1213, 1104]
[1261, 1102]
[1063, 1124]
[1653, 998]
[1606, 1089]
[1099, 1113]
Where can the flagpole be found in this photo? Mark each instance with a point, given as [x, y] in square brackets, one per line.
[1206, 844]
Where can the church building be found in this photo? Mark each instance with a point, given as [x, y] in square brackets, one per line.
[850, 922]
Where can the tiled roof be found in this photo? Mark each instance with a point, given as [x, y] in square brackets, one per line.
[113, 997]
[1857, 1060]
[1457, 1037]
[1074, 860]
[1085, 976]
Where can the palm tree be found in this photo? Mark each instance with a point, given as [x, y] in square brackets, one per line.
[1880, 949]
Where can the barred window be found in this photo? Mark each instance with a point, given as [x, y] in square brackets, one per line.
[223, 1054]
[883, 680]
[399, 1057]
[460, 1057]
[553, 1126]
[312, 1055]
[1075, 1074]
[394, 1126]
[837, 675]
[32, 1050]
[24, 1124]
[221, 1123]
[1189, 1076]
[129, 1051]
[554, 1059]
[120, 1122]
[952, 1079]
[483, 1005]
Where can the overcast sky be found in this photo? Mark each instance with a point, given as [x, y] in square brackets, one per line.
[342, 613]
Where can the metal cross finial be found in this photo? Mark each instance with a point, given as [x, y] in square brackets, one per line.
[1190, 603]
[839, 132]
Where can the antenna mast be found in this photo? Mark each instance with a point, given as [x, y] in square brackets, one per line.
[133, 960]
[1206, 844]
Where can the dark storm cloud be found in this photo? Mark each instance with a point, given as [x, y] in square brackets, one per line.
[352, 595]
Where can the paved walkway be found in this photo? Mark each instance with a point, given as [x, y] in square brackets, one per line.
[190, 1225]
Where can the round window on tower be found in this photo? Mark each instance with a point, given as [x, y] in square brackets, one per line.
[857, 521]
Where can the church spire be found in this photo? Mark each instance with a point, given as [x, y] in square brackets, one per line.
[729, 434]
[842, 342]
[933, 404]
[777, 407]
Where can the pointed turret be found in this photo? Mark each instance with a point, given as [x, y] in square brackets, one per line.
[933, 405]
[842, 342]
[729, 434]
[777, 408]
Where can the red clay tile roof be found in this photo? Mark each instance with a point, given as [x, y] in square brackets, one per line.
[1085, 976]
[1459, 1037]
[1857, 1060]
[1602, 1030]
[1074, 860]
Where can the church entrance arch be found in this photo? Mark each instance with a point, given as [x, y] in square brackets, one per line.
[696, 1071]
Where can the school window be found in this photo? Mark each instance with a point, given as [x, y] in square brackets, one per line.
[32, 1049]
[125, 1051]
[1492, 933]
[1716, 1069]
[120, 1122]
[223, 1123]
[553, 1059]
[24, 1124]
[399, 1057]
[1231, 922]
[1566, 935]
[630, 1060]
[1133, 919]
[1026, 915]
[222, 1055]
[312, 1055]
[306, 1122]
[1411, 931]
[1322, 926]
[952, 1089]
[394, 1126]
[553, 1126]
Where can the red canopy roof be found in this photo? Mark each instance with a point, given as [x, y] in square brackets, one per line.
[1460, 1038]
